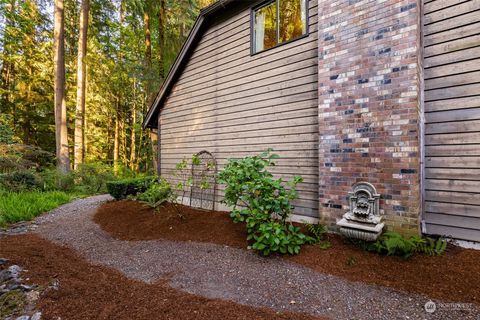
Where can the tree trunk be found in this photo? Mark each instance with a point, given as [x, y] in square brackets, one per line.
[161, 38]
[148, 48]
[79, 139]
[63, 159]
[116, 138]
[133, 125]
[7, 66]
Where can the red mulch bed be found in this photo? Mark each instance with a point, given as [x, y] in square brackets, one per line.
[455, 276]
[96, 292]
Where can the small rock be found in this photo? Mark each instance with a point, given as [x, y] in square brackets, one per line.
[36, 316]
[3, 261]
[32, 296]
[26, 287]
[15, 270]
[23, 318]
[5, 275]
[293, 302]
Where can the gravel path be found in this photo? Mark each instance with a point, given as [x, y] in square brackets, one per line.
[233, 274]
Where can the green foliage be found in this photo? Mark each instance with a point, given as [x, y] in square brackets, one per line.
[6, 132]
[394, 244]
[93, 177]
[19, 181]
[156, 194]
[318, 232]
[262, 203]
[15, 207]
[129, 187]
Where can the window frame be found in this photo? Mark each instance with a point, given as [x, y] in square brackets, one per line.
[265, 3]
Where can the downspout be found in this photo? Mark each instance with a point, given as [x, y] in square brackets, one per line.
[421, 110]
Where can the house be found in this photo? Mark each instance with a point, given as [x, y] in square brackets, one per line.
[386, 92]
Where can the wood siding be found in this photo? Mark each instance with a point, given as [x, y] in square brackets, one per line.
[452, 118]
[233, 104]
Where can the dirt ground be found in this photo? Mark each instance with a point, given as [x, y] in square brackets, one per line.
[95, 292]
[454, 276]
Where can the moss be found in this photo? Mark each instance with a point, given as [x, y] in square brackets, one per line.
[11, 303]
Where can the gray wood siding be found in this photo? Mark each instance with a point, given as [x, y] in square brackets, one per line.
[233, 104]
[452, 118]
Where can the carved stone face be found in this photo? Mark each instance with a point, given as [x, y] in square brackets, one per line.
[362, 207]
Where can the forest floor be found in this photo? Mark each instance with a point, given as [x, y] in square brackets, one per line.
[120, 260]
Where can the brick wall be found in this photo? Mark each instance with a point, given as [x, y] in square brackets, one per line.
[369, 106]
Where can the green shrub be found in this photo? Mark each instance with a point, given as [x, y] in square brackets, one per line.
[156, 194]
[122, 188]
[19, 181]
[263, 203]
[394, 244]
[15, 207]
[91, 178]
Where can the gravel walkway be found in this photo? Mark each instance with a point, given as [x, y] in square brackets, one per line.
[233, 274]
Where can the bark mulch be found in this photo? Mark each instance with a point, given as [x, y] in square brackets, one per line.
[95, 292]
[454, 276]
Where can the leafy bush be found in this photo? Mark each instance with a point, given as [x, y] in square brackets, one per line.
[15, 207]
[122, 188]
[19, 181]
[394, 244]
[92, 178]
[263, 203]
[156, 194]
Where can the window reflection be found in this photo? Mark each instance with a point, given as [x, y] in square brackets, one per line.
[266, 27]
[293, 22]
[271, 29]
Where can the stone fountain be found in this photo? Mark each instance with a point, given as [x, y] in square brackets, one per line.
[363, 221]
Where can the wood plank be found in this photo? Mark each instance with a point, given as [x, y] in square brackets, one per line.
[453, 220]
[457, 233]
[453, 115]
[454, 68]
[233, 135]
[452, 57]
[453, 185]
[452, 11]
[452, 162]
[453, 104]
[452, 173]
[269, 126]
[451, 46]
[454, 138]
[453, 209]
[440, 4]
[274, 91]
[450, 81]
[453, 197]
[451, 23]
[228, 75]
[452, 127]
[247, 114]
[453, 34]
[300, 69]
[453, 150]
[453, 92]
[246, 62]
[210, 59]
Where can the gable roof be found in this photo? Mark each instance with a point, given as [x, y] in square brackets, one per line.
[206, 14]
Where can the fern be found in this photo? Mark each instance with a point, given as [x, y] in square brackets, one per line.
[318, 232]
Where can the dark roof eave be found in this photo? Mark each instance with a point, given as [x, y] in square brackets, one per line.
[151, 118]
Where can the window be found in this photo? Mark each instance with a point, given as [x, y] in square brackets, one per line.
[278, 22]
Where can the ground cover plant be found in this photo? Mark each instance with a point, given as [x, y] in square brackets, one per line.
[25, 206]
[394, 244]
[263, 203]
